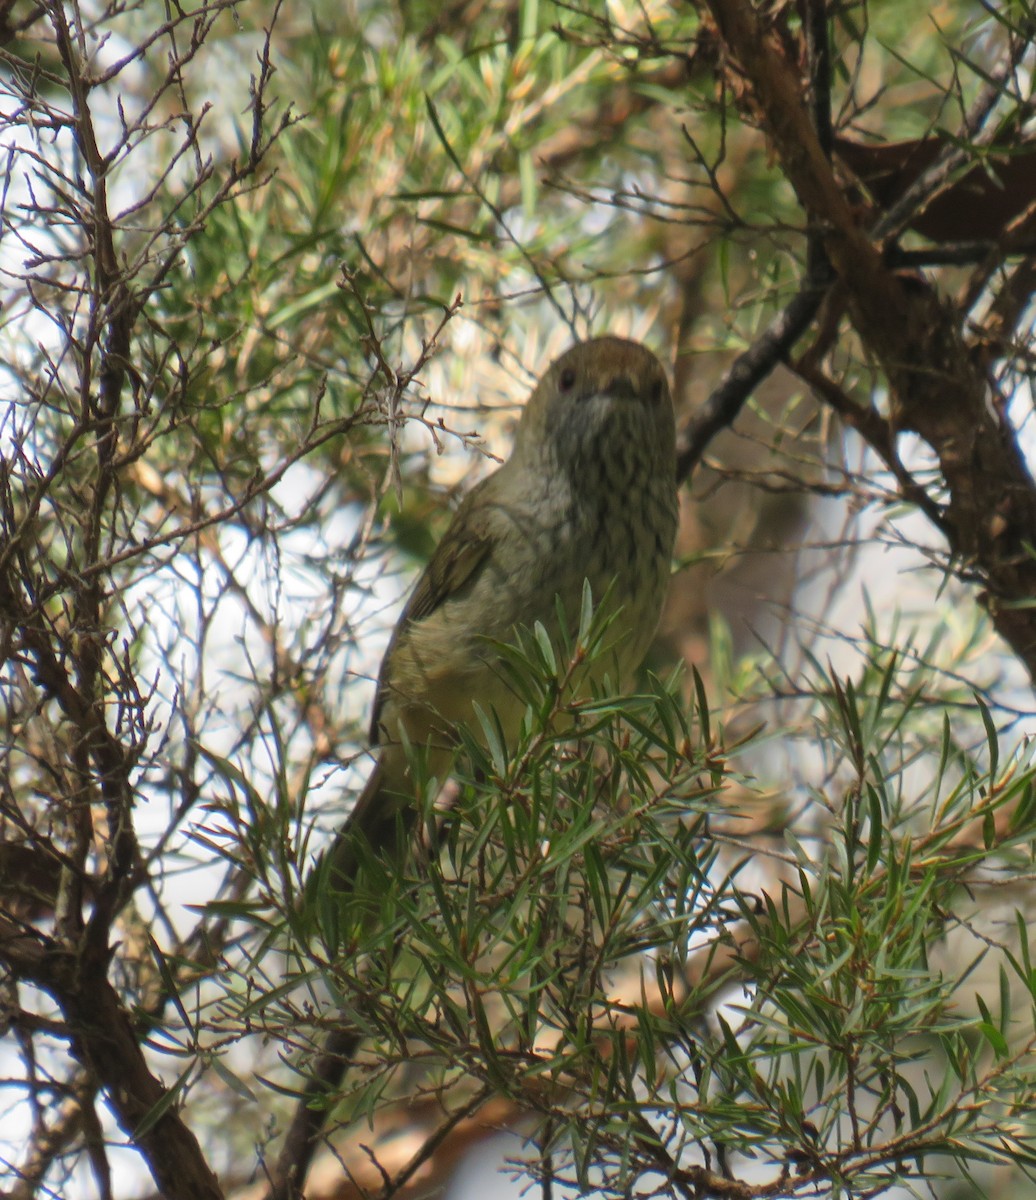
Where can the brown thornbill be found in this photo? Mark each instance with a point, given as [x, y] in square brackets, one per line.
[588, 494]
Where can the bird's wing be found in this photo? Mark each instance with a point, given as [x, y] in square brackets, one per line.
[462, 550]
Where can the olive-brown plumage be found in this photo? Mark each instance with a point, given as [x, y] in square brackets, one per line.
[589, 493]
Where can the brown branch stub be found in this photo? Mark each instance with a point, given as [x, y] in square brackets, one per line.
[978, 206]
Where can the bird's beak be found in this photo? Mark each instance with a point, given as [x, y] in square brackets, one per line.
[622, 387]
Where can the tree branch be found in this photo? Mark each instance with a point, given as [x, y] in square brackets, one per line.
[937, 390]
[106, 1043]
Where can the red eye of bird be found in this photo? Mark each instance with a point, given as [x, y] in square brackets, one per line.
[567, 379]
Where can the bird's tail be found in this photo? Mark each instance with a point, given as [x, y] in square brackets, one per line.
[303, 1137]
[380, 826]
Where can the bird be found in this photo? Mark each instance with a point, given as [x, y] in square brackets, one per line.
[588, 497]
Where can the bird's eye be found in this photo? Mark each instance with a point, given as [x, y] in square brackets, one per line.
[567, 379]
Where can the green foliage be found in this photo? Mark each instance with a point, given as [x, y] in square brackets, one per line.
[584, 934]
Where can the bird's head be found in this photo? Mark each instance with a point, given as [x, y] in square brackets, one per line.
[596, 398]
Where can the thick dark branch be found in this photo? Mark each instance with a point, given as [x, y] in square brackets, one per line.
[818, 49]
[938, 389]
[110, 324]
[742, 377]
[773, 346]
[105, 1041]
